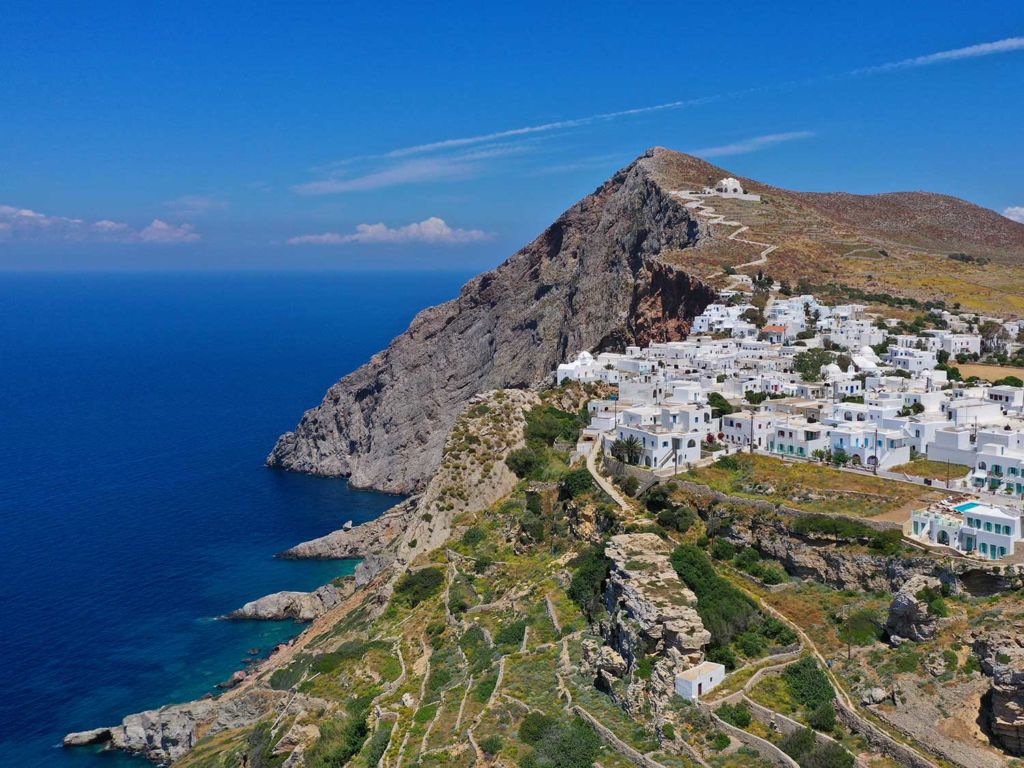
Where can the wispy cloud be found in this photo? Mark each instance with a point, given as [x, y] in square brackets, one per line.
[433, 230]
[399, 172]
[751, 145]
[1006, 45]
[27, 225]
[189, 206]
[447, 159]
[1015, 212]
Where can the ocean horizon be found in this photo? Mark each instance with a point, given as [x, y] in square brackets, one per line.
[135, 509]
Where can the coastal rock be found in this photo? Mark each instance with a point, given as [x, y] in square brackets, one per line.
[909, 614]
[300, 606]
[591, 281]
[84, 738]
[360, 541]
[236, 679]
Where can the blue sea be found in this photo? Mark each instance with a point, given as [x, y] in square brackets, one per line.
[135, 415]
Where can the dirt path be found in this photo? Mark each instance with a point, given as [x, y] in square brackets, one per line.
[606, 485]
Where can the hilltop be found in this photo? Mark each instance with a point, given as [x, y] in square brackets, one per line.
[630, 263]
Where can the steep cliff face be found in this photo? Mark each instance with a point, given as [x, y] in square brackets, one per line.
[591, 281]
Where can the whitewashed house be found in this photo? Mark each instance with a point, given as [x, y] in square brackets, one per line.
[983, 530]
[696, 681]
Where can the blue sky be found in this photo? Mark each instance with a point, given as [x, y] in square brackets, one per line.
[366, 136]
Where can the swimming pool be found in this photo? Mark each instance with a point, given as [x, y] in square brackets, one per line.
[967, 506]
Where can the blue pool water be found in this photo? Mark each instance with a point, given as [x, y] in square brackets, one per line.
[967, 506]
[135, 415]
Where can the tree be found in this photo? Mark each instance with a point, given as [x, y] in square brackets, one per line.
[719, 405]
[627, 450]
[810, 362]
[754, 398]
[840, 457]
[577, 482]
[993, 336]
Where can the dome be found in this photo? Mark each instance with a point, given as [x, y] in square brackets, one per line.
[585, 357]
[729, 185]
[832, 369]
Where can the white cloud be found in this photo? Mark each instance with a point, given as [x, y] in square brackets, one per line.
[1015, 212]
[433, 230]
[189, 206]
[460, 165]
[161, 232]
[28, 225]
[752, 144]
[1006, 45]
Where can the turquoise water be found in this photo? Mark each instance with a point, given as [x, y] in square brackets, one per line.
[967, 506]
[135, 415]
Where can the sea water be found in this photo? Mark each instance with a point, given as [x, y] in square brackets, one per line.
[136, 411]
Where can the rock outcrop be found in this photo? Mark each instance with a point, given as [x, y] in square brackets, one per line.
[300, 606]
[591, 281]
[358, 542]
[910, 617]
[650, 613]
[1002, 658]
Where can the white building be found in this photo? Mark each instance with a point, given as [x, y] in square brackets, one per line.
[699, 680]
[743, 427]
[797, 437]
[983, 530]
[870, 445]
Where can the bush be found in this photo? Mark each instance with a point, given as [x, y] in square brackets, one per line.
[724, 655]
[492, 744]
[577, 482]
[808, 685]
[798, 743]
[725, 611]
[572, 744]
[340, 741]
[823, 717]
[546, 424]
[860, 628]
[645, 668]
[526, 462]
[737, 714]
[590, 570]
[473, 536]
[630, 485]
[511, 633]
[936, 604]
[416, 586]
[720, 741]
[534, 726]
[722, 550]
[658, 498]
[676, 519]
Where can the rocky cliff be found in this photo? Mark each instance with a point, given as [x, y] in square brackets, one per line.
[592, 280]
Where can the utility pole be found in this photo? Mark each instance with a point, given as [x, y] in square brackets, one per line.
[874, 468]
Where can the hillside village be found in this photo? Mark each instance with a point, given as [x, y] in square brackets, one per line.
[789, 376]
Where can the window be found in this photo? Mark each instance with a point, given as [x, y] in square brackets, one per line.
[984, 548]
[988, 526]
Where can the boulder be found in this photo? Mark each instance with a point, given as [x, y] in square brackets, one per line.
[300, 606]
[909, 615]
[874, 695]
[84, 738]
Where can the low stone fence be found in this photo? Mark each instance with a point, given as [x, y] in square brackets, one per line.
[879, 739]
[631, 754]
[645, 477]
[763, 747]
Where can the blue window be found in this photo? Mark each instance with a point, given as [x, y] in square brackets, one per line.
[984, 548]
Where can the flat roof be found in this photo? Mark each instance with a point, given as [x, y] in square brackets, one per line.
[704, 668]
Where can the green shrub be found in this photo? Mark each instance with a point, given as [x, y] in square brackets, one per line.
[416, 586]
[676, 519]
[339, 740]
[630, 485]
[483, 690]
[668, 732]
[572, 744]
[798, 743]
[473, 536]
[720, 741]
[808, 685]
[577, 482]
[725, 611]
[860, 628]
[534, 726]
[645, 668]
[590, 570]
[736, 714]
[511, 633]
[547, 424]
[492, 744]
[822, 717]
[378, 743]
[724, 655]
[730, 463]
[722, 550]
[526, 462]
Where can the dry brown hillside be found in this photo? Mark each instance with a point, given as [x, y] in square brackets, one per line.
[896, 243]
